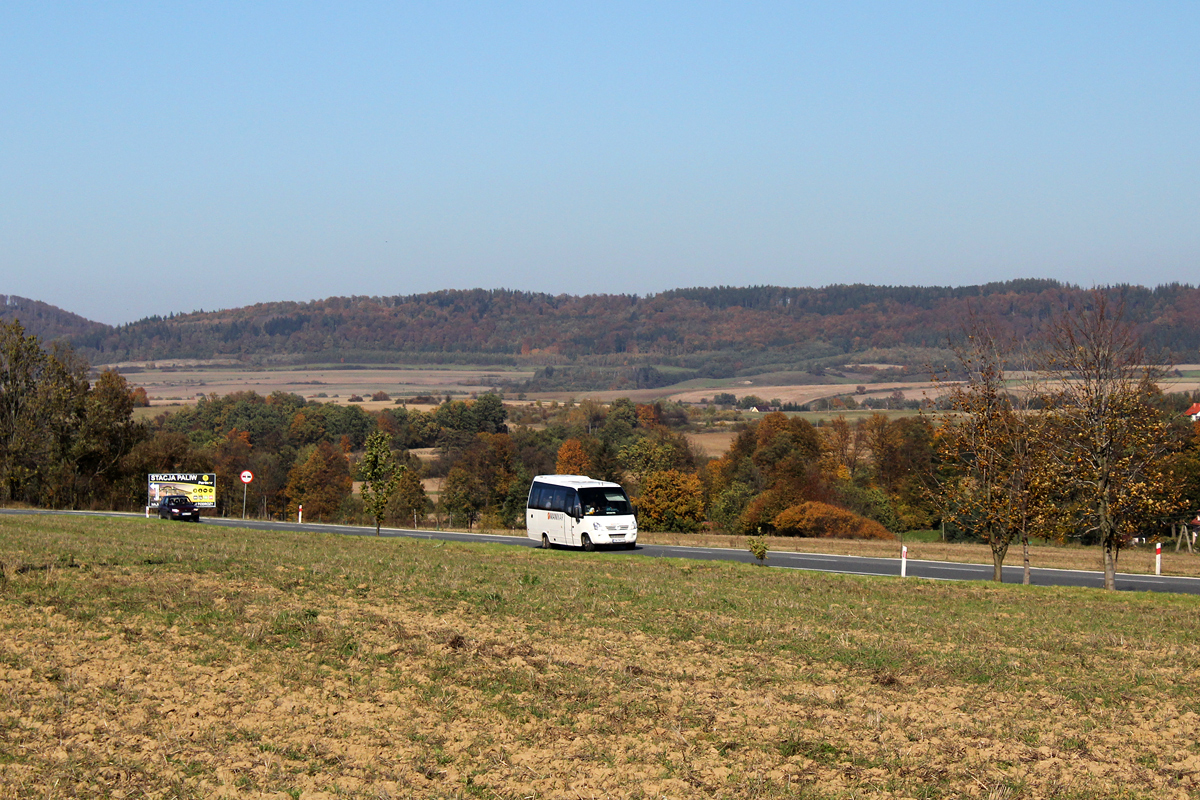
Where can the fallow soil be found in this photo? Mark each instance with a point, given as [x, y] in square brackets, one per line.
[158, 660]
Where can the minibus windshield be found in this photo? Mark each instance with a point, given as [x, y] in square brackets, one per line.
[604, 502]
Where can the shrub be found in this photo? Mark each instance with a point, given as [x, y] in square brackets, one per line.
[823, 520]
[758, 548]
[760, 513]
[380, 396]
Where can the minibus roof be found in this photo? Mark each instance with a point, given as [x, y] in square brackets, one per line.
[576, 481]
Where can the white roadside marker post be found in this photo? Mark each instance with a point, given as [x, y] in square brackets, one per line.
[903, 561]
[300, 514]
[1158, 558]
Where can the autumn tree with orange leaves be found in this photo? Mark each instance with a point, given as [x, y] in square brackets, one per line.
[572, 459]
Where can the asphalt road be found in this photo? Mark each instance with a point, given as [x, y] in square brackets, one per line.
[850, 565]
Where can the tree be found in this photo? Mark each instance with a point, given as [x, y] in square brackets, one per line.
[645, 455]
[231, 455]
[843, 444]
[572, 459]
[319, 482]
[488, 414]
[1107, 445]
[379, 472]
[42, 401]
[671, 501]
[409, 501]
[462, 494]
[989, 445]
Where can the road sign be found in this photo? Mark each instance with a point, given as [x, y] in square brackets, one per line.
[247, 476]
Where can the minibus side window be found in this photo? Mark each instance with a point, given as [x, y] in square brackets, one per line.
[537, 496]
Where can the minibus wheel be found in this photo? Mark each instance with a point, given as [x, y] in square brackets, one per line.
[545, 542]
[587, 544]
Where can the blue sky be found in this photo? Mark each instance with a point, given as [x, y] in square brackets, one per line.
[159, 157]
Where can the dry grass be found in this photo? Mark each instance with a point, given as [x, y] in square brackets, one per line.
[713, 443]
[154, 660]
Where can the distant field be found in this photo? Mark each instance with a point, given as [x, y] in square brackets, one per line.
[146, 659]
[177, 385]
[713, 443]
[182, 385]
[806, 393]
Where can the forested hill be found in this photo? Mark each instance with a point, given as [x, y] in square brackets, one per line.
[714, 331]
[48, 322]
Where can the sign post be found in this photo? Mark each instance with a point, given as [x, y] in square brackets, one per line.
[247, 476]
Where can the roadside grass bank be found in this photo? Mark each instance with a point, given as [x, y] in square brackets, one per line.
[159, 660]
[928, 546]
[1138, 559]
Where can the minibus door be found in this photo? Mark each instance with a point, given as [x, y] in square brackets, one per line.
[573, 519]
[557, 523]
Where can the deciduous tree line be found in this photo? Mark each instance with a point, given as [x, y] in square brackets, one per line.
[1086, 448]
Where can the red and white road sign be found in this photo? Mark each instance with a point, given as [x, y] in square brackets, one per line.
[247, 476]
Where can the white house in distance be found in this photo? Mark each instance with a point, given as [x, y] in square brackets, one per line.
[1193, 413]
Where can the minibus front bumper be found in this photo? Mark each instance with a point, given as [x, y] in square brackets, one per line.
[621, 533]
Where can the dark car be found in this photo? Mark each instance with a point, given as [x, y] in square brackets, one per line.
[178, 506]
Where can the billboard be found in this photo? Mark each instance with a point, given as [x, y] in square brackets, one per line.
[201, 487]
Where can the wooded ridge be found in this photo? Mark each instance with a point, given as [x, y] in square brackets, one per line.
[702, 332]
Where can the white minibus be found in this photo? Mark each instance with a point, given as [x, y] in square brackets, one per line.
[578, 511]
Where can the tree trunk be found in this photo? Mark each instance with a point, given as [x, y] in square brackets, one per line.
[1110, 564]
[1025, 548]
[998, 554]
